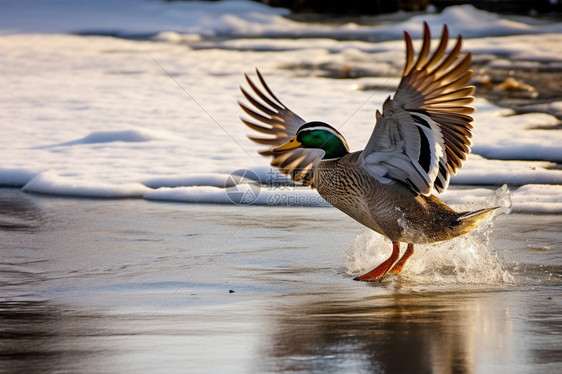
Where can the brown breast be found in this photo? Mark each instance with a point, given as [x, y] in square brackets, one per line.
[392, 210]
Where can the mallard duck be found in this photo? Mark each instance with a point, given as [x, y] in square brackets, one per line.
[420, 139]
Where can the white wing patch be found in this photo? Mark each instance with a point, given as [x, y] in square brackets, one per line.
[409, 148]
[423, 134]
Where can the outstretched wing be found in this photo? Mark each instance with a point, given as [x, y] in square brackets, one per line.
[271, 117]
[423, 134]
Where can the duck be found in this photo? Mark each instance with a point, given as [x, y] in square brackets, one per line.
[420, 139]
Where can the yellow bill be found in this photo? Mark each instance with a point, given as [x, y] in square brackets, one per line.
[291, 144]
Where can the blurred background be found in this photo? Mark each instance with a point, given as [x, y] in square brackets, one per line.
[359, 7]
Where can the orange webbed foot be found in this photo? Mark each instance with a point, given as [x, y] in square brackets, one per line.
[381, 270]
[397, 268]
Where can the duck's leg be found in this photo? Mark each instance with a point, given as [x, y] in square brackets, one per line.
[397, 268]
[381, 270]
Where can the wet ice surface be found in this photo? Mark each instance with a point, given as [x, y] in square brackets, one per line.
[153, 284]
[93, 285]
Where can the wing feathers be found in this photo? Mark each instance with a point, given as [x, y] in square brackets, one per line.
[257, 104]
[453, 56]
[265, 141]
[438, 87]
[457, 71]
[440, 51]
[409, 54]
[424, 53]
[259, 128]
[257, 116]
[269, 116]
[262, 81]
[273, 103]
[434, 100]
[421, 138]
[460, 93]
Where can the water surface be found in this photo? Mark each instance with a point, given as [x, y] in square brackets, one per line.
[90, 285]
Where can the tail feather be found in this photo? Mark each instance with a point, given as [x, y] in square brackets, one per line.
[470, 220]
[485, 212]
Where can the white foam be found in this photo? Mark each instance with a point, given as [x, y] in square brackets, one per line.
[243, 194]
[530, 136]
[12, 177]
[478, 170]
[216, 180]
[538, 198]
[52, 184]
[128, 136]
[463, 260]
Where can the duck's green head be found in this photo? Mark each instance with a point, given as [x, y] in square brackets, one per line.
[318, 135]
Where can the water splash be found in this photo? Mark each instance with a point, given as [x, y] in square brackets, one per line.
[500, 198]
[468, 259]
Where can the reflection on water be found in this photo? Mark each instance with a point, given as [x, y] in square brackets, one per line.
[134, 286]
[400, 333]
[18, 212]
[30, 338]
[479, 332]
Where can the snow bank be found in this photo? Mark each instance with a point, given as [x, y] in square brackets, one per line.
[538, 198]
[215, 180]
[233, 18]
[244, 194]
[136, 17]
[128, 136]
[13, 177]
[106, 117]
[478, 170]
[52, 184]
